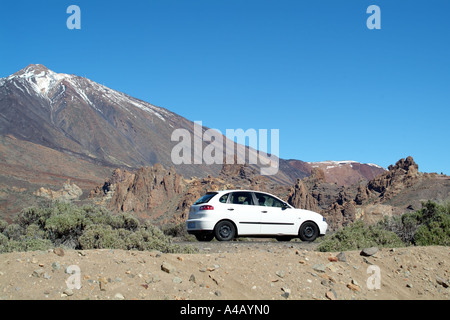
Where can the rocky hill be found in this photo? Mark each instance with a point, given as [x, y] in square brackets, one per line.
[165, 196]
[343, 173]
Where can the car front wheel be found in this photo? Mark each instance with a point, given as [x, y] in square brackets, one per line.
[225, 231]
[308, 231]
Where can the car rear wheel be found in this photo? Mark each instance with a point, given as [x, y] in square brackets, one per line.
[308, 231]
[225, 231]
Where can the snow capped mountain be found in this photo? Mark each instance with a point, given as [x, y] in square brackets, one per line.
[75, 115]
[336, 164]
[37, 79]
[80, 119]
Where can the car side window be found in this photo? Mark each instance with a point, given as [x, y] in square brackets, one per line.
[268, 201]
[224, 198]
[244, 198]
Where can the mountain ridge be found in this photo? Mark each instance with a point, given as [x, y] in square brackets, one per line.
[76, 115]
[56, 126]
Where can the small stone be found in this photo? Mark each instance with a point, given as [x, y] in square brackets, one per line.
[409, 285]
[442, 282]
[59, 252]
[56, 265]
[39, 273]
[286, 292]
[192, 279]
[319, 267]
[331, 294]
[341, 257]
[218, 293]
[367, 252]
[280, 273]
[353, 287]
[333, 259]
[68, 292]
[119, 296]
[167, 267]
[177, 280]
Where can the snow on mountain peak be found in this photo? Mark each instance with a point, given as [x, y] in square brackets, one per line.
[40, 77]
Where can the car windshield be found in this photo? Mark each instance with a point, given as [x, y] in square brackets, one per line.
[205, 198]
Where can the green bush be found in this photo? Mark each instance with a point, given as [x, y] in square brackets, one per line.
[102, 237]
[178, 231]
[427, 226]
[358, 236]
[87, 227]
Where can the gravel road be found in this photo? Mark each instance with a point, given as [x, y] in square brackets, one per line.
[264, 245]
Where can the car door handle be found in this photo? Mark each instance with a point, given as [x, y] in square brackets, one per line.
[230, 209]
[264, 211]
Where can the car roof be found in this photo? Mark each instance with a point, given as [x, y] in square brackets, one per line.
[241, 190]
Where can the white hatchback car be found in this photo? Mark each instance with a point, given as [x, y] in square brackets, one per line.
[234, 213]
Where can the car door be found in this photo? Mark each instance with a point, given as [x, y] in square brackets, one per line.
[275, 218]
[246, 215]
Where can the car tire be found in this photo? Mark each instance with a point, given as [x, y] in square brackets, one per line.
[225, 231]
[204, 237]
[308, 231]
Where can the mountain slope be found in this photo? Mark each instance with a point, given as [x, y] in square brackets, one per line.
[56, 126]
[73, 114]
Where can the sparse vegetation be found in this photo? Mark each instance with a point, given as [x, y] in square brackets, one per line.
[427, 226]
[358, 236]
[87, 227]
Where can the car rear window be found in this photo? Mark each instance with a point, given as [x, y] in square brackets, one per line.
[205, 198]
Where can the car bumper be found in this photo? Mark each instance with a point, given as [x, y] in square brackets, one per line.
[323, 226]
[196, 226]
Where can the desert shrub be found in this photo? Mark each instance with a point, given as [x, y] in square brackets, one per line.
[64, 229]
[357, 236]
[87, 227]
[178, 231]
[3, 225]
[101, 237]
[429, 225]
[434, 232]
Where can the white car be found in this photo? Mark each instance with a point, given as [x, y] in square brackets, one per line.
[234, 213]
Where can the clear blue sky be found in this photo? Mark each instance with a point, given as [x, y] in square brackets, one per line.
[312, 69]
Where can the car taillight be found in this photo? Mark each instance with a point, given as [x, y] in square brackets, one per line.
[207, 207]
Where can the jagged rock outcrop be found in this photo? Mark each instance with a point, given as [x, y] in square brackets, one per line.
[299, 197]
[379, 196]
[404, 174]
[69, 192]
[165, 196]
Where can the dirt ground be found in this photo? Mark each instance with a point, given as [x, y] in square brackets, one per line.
[263, 271]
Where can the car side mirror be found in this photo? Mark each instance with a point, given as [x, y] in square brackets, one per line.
[285, 206]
